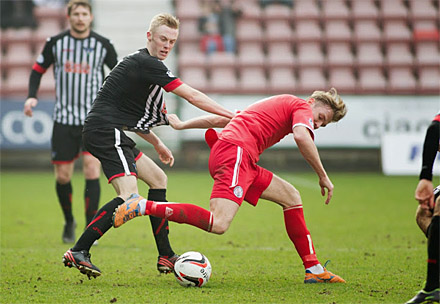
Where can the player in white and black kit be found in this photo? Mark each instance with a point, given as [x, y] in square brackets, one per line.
[131, 99]
[78, 56]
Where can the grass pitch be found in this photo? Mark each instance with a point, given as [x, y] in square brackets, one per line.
[368, 232]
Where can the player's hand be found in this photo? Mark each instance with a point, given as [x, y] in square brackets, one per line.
[424, 194]
[28, 105]
[325, 183]
[165, 154]
[175, 122]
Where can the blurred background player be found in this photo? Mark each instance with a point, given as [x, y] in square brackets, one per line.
[428, 214]
[132, 99]
[78, 56]
[237, 177]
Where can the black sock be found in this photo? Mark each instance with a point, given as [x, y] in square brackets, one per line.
[92, 192]
[64, 193]
[159, 225]
[99, 225]
[433, 276]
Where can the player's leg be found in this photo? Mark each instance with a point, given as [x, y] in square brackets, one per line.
[92, 189]
[65, 150]
[423, 219]
[288, 197]
[151, 174]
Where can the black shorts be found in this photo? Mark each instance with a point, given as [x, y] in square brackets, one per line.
[115, 150]
[66, 143]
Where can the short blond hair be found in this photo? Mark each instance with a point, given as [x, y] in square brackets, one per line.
[74, 3]
[332, 99]
[164, 19]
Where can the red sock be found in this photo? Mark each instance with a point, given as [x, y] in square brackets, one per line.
[181, 213]
[300, 235]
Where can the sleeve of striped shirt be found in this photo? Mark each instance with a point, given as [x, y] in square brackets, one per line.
[111, 59]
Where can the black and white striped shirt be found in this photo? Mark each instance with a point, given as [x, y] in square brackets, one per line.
[78, 71]
[131, 96]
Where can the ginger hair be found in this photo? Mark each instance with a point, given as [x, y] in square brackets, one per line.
[332, 99]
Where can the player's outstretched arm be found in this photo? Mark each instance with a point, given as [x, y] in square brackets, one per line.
[29, 104]
[310, 153]
[201, 122]
[201, 101]
[165, 154]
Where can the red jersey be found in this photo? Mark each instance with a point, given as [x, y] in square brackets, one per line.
[266, 122]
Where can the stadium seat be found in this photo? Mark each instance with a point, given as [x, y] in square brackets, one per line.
[190, 55]
[250, 9]
[398, 54]
[371, 80]
[310, 54]
[18, 54]
[278, 30]
[280, 54]
[337, 30]
[427, 54]
[343, 79]
[425, 30]
[311, 79]
[47, 28]
[250, 54]
[396, 31]
[306, 10]
[47, 84]
[366, 30]
[276, 12]
[195, 77]
[282, 81]
[339, 54]
[335, 9]
[249, 31]
[223, 80]
[188, 9]
[364, 10]
[369, 54]
[221, 59]
[252, 80]
[307, 30]
[188, 31]
[429, 80]
[393, 9]
[16, 82]
[422, 10]
[401, 80]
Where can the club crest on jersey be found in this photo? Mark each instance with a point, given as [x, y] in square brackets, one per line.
[88, 49]
[238, 191]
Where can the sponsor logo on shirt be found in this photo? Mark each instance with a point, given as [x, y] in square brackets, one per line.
[170, 74]
[80, 68]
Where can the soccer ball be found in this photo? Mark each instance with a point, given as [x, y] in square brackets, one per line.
[192, 269]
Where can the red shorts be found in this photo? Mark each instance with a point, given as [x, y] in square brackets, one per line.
[236, 176]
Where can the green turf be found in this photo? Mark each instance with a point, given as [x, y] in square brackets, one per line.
[368, 232]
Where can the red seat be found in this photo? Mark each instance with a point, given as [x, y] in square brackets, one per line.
[250, 9]
[369, 54]
[306, 10]
[398, 54]
[371, 80]
[339, 54]
[422, 10]
[429, 80]
[366, 30]
[343, 79]
[337, 30]
[277, 12]
[310, 54]
[188, 9]
[427, 54]
[18, 54]
[195, 77]
[335, 9]
[307, 30]
[190, 55]
[393, 9]
[278, 30]
[252, 81]
[250, 54]
[188, 31]
[396, 31]
[280, 54]
[249, 31]
[364, 9]
[311, 79]
[223, 80]
[16, 82]
[221, 59]
[47, 28]
[282, 81]
[401, 80]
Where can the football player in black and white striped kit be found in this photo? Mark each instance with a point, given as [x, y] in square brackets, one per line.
[131, 99]
[78, 56]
